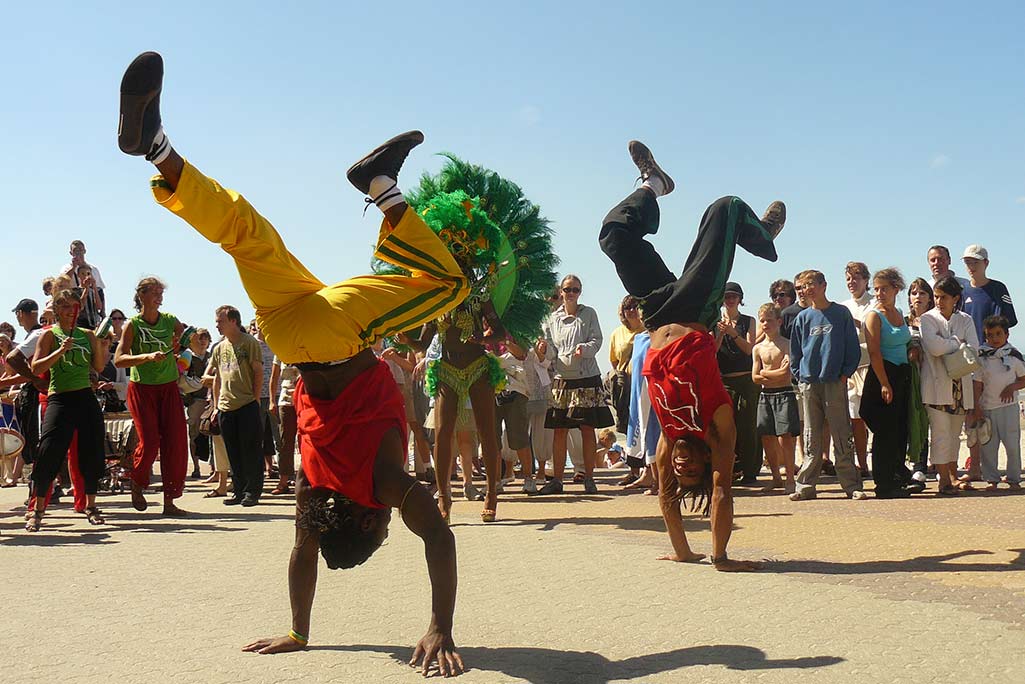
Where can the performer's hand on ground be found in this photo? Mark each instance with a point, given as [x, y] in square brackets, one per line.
[689, 557]
[730, 565]
[283, 644]
[437, 645]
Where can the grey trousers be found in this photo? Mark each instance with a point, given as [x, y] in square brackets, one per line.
[1006, 431]
[827, 400]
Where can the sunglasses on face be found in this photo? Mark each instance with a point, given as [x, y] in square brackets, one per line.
[779, 295]
[117, 318]
[571, 290]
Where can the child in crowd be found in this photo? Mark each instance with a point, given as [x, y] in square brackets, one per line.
[609, 453]
[778, 420]
[1002, 374]
[824, 352]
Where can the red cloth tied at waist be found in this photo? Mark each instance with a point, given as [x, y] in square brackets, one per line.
[339, 438]
[684, 385]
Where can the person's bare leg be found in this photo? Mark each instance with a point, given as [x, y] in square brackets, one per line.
[589, 443]
[171, 169]
[445, 407]
[482, 399]
[770, 445]
[860, 442]
[559, 453]
[786, 443]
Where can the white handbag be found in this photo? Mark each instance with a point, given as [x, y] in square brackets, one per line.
[961, 362]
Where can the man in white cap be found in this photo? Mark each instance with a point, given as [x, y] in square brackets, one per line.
[984, 297]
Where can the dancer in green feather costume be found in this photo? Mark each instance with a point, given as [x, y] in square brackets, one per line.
[504, 246]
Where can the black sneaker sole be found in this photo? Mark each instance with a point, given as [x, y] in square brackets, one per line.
[641, 156]
[385, 160]
[140, 104]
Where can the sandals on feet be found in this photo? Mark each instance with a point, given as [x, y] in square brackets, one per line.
[92, 514]
[214, 494]
[965, 485]
[488, 515]
[33, 522]
[948, 490]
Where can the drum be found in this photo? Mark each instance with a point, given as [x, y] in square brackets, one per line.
[11, 441]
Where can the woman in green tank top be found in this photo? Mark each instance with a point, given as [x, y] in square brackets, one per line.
[149, 344]
[71, 355]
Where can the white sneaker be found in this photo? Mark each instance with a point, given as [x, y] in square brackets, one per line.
[918, 476]
[528, 485]
[858, 495]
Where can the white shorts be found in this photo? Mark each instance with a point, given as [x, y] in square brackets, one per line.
[855, 386]
[944, 435]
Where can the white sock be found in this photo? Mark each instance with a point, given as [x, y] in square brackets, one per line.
[655, 184]
[385, 193]
[160, 149]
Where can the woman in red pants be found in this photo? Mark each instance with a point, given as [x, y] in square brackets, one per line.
[147, 347]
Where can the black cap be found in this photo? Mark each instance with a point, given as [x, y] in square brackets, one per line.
[735, 288]
[26, 306]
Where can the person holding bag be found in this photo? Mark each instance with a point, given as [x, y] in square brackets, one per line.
[948, 401]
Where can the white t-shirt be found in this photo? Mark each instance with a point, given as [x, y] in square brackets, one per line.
[515, 373]
[999, 369]
[29, 344]
[859, 308]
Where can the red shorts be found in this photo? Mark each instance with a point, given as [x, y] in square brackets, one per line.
[685, 386]
[339, 439]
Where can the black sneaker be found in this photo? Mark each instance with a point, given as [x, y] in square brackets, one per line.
[647, 165]
[386, 160]
[774, 218]
[140, 104]
[232, 501]
[249, 500]
[828, 469]
[589, 486]
[553, 486]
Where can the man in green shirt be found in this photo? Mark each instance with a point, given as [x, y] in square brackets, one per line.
[236, 365]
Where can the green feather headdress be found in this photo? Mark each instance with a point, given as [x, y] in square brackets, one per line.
[497, 235]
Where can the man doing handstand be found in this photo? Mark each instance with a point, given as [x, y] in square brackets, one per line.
[350, 413]
[696, 451]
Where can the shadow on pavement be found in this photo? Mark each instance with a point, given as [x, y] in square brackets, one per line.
[647, 523]
[918, 564]
[550, 666]
[43, 538]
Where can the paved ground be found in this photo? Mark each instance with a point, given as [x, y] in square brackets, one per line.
[561, 590]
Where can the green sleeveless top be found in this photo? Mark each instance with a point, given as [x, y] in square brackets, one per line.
[152, 338]
[71, 372]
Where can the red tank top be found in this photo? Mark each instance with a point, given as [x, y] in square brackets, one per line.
[684, 385]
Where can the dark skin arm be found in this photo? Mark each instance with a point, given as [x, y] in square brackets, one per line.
[420, 343]
[421, 516]
[722, 438]
[670, 507]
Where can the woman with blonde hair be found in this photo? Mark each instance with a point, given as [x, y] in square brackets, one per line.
[148, 346]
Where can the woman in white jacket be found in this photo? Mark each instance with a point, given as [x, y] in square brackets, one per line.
[947, 401]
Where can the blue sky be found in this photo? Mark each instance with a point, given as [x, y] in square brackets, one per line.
[884, 128]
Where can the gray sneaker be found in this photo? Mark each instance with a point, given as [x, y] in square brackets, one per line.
[553, 486]
[647, 166]
[589, 486]
[529, 487]
[774, 218]
[806, 495]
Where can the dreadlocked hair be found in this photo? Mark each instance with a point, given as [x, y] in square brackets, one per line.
[343, 543]
[700, 493]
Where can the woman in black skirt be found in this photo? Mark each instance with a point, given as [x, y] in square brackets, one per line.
[579, 400]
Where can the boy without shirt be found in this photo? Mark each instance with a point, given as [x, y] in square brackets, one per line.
[778, 420]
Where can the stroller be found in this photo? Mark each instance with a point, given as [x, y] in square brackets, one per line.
[121, 440]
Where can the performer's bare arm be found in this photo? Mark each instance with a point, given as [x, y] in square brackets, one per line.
[670, 505]
[20, 364]
[394, 487]
[722, 437]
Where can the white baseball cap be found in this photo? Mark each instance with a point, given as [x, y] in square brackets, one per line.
[975, 252]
